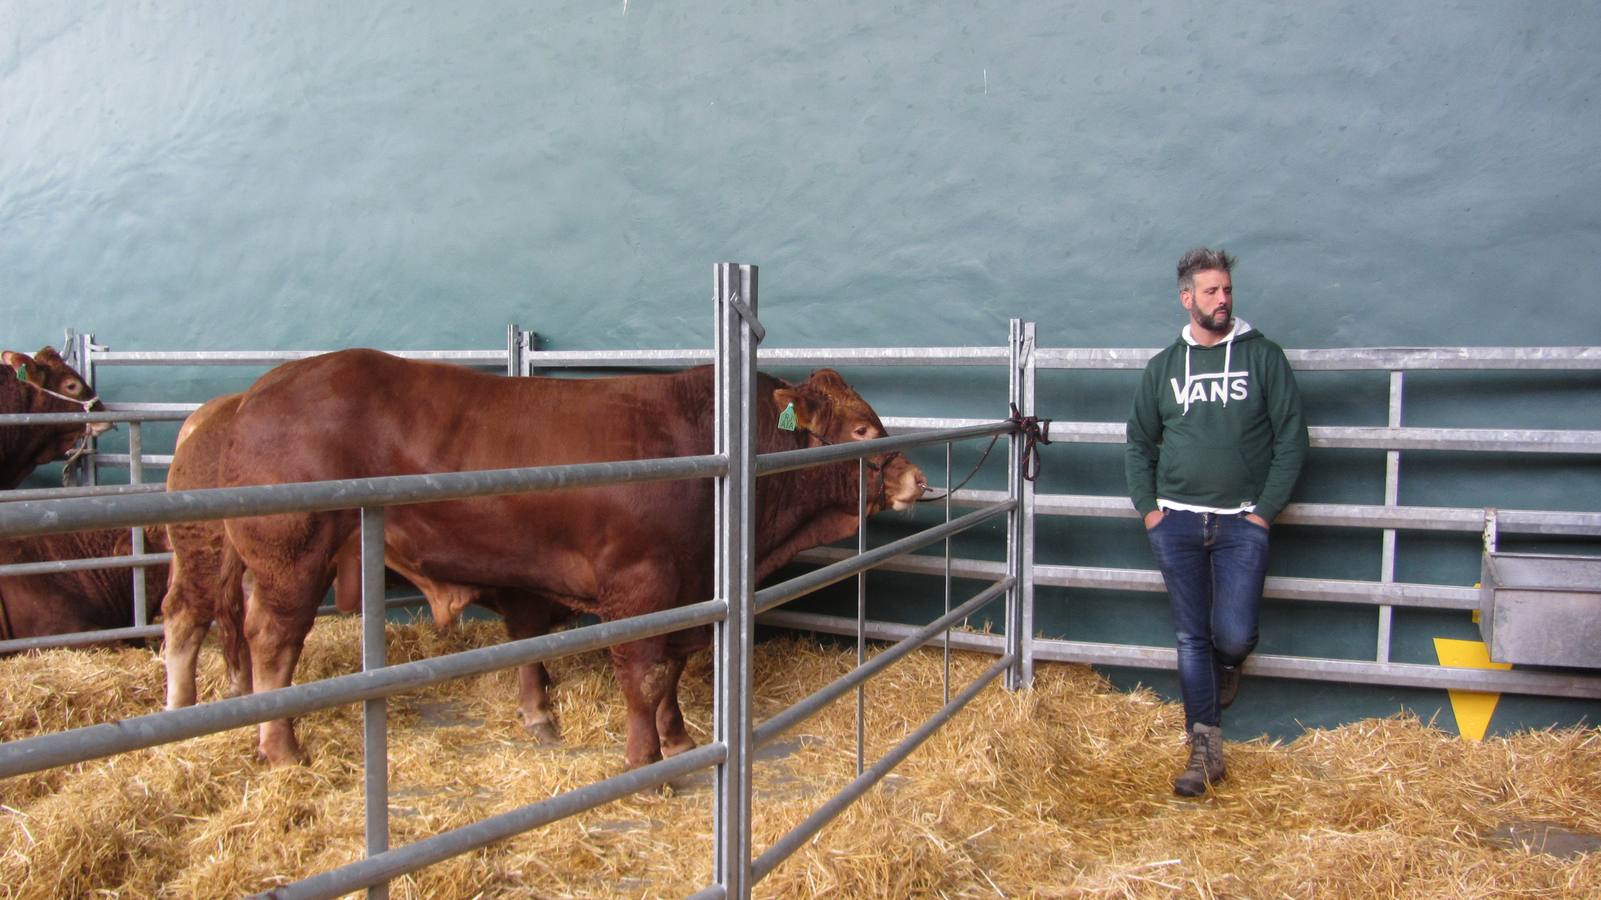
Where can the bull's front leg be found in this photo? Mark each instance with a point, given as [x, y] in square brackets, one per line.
[530, 615]
[825, 527]
[669, 716]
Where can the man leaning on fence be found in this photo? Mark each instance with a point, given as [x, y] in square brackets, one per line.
[1216, 440]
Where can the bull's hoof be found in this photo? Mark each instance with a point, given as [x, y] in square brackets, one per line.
[278, 757]
[677, 747]
[542, 732]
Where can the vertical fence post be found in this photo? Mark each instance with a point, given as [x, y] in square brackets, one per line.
[861, 614]
[1392, 497]
[734, 293]
[945, 678]
[80, 356]
[1020, 533]
[514, 350]
[1025, 575]
[136, 475]
[375, 713]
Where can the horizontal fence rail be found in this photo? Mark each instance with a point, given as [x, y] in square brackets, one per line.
[1335, 515]
[479, 358]
[95, 741]
[48, 517]
[52, 567]
[1470, 440]
[77, 418]
[1354, 359]
[144, 632]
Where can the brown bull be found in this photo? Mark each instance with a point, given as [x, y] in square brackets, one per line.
[42, 383]
[67, 602]
[613, 551]
[58, 602]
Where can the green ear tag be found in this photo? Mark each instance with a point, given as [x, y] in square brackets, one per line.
[786, 419]
[22, 372]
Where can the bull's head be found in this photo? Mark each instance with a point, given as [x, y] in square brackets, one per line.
[829, 411]
[60, 389]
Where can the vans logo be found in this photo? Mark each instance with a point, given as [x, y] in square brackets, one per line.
[1211, 387]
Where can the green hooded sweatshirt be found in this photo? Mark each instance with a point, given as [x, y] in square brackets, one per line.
[1216, 426]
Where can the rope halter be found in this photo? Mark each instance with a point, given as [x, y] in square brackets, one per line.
[81, 445]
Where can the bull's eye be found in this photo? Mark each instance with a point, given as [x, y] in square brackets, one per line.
[862, 432]
[72, 386]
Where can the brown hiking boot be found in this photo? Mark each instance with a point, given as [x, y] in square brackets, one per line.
[1228, 685]
[1206, 761]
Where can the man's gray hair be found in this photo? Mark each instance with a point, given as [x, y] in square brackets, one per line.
[1202, 259]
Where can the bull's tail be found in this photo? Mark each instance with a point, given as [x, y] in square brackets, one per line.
[230, 613]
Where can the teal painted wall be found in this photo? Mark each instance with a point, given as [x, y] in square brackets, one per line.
[418, 174]
[193, 175]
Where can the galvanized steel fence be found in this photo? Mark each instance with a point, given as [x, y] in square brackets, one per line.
[731, 612]
[736, 738]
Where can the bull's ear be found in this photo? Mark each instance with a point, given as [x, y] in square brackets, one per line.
[804, 404]
[828, 379]
[26, 368]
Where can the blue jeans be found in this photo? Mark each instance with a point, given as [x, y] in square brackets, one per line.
[1213, 566]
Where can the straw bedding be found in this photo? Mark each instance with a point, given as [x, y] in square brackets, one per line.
[1059, 791]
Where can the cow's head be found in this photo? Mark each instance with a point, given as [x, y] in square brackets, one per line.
[59, 389]
[829, 411]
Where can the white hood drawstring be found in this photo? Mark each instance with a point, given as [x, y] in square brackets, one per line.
[1228, 354]
[1188, 344]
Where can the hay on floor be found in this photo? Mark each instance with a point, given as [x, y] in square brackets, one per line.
[1063, 790]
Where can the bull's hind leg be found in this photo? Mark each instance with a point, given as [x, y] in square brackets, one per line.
[229, 623]
[186, 609]
[669, 715]
[282, 605]
[183, 630]
[643, 671]
[276, 639]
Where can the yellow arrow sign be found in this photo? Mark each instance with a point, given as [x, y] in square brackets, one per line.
[1473, 709]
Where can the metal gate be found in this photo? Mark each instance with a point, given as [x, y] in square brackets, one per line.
[732, 612]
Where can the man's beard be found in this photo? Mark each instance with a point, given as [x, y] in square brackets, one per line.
[1219, 322]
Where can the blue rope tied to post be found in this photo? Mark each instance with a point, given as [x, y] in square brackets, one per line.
[1035, 431]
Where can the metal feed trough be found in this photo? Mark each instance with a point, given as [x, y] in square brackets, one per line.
[1541, 609]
